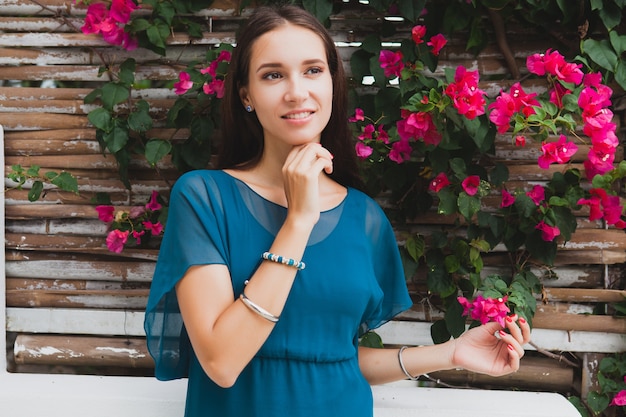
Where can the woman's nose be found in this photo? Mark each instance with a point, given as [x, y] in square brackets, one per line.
[296, 90]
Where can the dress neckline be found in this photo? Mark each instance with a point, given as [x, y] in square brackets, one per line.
[254, 192]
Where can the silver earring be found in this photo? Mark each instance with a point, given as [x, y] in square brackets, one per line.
[249, 108]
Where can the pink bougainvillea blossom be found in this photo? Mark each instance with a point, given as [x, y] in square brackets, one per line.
[438, 183]
[154, 228]
[553, 63]
[368, 132]
[619, 399]
[485, 309]
[116, 239]
[548, 233]
[215, 86]
[391, 62]
[137, 235]
[362, 150]
[470, 184]
[418, 126]
[417, 33]
[537, 194]
[136, 212]
[153, 204]
[359, 116]
[520, 140]
[557, 93]
[110, 22]
[382, 135]
[400, 151]
[437, 43]
[183, 84]
[507, 104]
[604, 206]
[467, 98]
[105, 213]
[507, 199]
[558, 152]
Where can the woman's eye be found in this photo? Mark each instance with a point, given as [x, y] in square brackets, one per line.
[314, 70]
[271, 76]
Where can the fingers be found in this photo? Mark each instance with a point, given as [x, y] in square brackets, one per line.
[517, 336]
[311, 158]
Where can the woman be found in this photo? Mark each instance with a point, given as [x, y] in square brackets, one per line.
[273, 266]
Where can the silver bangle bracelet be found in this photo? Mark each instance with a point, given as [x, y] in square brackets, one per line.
[257, 309]
[408, 375]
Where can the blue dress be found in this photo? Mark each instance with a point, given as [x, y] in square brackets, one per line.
[353, 282]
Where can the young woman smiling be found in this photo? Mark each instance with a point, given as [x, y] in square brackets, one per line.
[275, 263]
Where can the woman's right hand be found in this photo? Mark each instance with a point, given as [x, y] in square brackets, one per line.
[301, 174]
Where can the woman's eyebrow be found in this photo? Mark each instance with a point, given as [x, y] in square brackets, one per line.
[274, 65]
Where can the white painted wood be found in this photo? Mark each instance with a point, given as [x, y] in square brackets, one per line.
[127, 323]
[93, 396]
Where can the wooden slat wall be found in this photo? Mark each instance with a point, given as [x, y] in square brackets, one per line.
[71, 302]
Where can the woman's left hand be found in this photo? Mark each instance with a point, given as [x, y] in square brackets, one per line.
[488, 349]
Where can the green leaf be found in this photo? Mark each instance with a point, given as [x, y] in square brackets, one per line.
[580, 406]
[416, 246]
[620, 73]
[116, 139]
[452, 263]
[35, 192]
[597, 402]
[64, 180]
[114, 93]
[610, 14]
[455, 322]
[411, 10]
[371, 339]
[439, 332]
[499, 174]
[157, 149]
[447, 202]
[33, 171]
[601, 53]
[100, 118]
[322, 9]
[140, 120]
[127, 72]
[618, 42]
[468, 205]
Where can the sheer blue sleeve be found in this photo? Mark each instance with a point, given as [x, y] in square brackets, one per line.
[388, 270]
[194, 235]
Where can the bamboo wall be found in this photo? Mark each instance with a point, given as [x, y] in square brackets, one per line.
[73, 304]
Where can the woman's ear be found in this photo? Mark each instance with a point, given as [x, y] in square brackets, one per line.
[243, 96]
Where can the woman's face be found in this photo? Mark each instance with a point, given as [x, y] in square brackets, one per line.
[289, 85]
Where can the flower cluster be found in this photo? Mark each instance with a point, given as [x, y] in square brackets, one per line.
[485, 310]
[620, 398]
[131, 227]
[110, 20]
[212, 82]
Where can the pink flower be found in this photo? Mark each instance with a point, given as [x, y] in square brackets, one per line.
[359, 116]
[466, 97]
[486, 309]
[417, 126]
[470, 184]
[154, 228]
[368, 131]
[438, 183]
[137, 235]
[96, 13]
[417, 33]
[216, 86]
[391, 63]
[105, 213]
[362, 150]
[153, 204]
[184, 83]
[136, 211]
[557, 94]
[553, 63]
[437, 42]
[382, 136]
[594, 203]
[548, 233]
[116, 239]
[507, 199]
[121, 10]
[502, 110]
[619, 399]
[558, 152]
[400, 151]
[520, 141]
[537, 194]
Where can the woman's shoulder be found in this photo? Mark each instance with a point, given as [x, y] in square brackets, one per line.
[199, 179]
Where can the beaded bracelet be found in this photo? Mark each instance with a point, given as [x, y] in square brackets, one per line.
[408, 375]
[255, 308]
[285, 261]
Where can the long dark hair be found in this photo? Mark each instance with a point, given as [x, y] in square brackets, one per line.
[242, 133]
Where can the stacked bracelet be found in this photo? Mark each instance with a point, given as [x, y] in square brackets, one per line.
[285, 261]
[408, 375]
[255, 308]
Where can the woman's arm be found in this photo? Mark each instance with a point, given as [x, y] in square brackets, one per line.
[485, 349]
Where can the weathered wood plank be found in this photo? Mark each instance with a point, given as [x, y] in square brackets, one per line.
[585, 295]
[68, 268]
[50, 283]
[126, 299]
[82, 351]
[30, 121]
